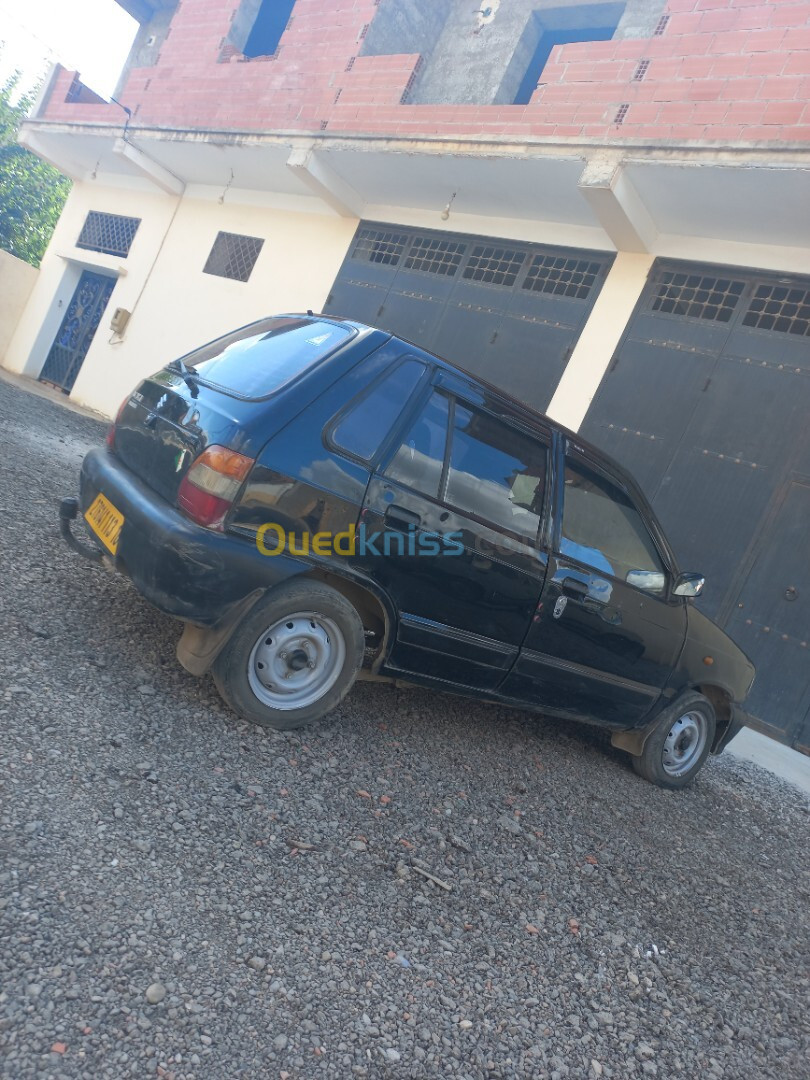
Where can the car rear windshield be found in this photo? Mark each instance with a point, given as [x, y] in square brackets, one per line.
[260, 359]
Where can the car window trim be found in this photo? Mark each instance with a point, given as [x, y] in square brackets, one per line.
[394, 442]
[590, 462]
[535, 543]
[327, 435]
[633, 492]
[442, 386]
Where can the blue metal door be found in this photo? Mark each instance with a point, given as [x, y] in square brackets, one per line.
[76, 332]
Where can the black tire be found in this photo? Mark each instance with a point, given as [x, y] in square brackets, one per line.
[677, 749]
[300, 633]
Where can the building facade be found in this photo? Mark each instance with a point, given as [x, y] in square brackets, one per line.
[604, 207]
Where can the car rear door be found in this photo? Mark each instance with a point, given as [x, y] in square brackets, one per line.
[607, 633]
[457, 507]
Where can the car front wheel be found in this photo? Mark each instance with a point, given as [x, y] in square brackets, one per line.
[677, 748]
[293, 658]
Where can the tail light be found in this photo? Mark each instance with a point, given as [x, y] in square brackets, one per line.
[210, 486]
[110, 440]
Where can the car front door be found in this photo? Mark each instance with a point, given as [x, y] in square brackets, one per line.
[607, 634]
[457, 509]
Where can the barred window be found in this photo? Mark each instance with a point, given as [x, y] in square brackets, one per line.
[379, 246]
[233, 256]
[494, 265]
[110, 234]
[783, 308]
[433, 256]
[696, 296]
[561, 276]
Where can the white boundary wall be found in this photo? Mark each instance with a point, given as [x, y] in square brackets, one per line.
[17, 280]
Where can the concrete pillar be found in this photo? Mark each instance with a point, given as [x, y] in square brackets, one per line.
[598, 341]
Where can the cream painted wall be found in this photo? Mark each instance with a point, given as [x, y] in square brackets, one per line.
[63, 262]
[598, 341]
[175, 306]
[181, 307]
[17, 280]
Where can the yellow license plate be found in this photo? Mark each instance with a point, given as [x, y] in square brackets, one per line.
[105, 521]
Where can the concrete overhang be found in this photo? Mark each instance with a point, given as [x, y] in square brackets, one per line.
[644, 198]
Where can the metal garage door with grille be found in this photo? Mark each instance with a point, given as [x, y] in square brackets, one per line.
[507, 312]
[707, 403]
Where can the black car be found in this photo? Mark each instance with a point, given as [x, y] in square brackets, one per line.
[317, 500]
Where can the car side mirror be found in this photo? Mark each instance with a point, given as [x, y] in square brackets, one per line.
[688, 585]
[649, 580]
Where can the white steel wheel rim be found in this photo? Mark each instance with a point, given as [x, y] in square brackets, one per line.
[685, 743]
[296, 660]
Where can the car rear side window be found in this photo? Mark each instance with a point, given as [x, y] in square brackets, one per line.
[419, 460]
[496, 472]
[602, 528]
[362, 430]
[260, 359]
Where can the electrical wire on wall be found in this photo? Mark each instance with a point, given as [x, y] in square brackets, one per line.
[117, 338]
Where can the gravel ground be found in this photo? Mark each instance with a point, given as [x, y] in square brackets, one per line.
[184, 895]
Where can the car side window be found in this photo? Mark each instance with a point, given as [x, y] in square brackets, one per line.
[363, 428]
[603, 529]
[496, 472]
[419, 461]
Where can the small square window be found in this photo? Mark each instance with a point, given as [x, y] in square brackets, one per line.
[110, 234]
[233, 256]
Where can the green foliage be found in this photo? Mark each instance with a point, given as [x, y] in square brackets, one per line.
[32, 193]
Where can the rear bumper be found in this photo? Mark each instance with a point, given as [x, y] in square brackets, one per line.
[192, 573]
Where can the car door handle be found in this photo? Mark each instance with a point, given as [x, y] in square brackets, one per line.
[576, 590]
[400, 519]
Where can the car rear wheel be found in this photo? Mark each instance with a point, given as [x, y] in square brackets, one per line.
[676, 750]
[293, 658]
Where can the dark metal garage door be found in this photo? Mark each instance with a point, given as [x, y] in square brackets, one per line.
[707, 402]
[509, 313]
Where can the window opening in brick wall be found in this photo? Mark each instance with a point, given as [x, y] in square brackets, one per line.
[564, 26]
[269, 24]
[108, 233]
[233, 256]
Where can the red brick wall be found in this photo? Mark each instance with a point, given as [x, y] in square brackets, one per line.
[720, 70]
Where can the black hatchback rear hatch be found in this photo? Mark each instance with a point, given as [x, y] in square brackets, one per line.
[210, 397]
